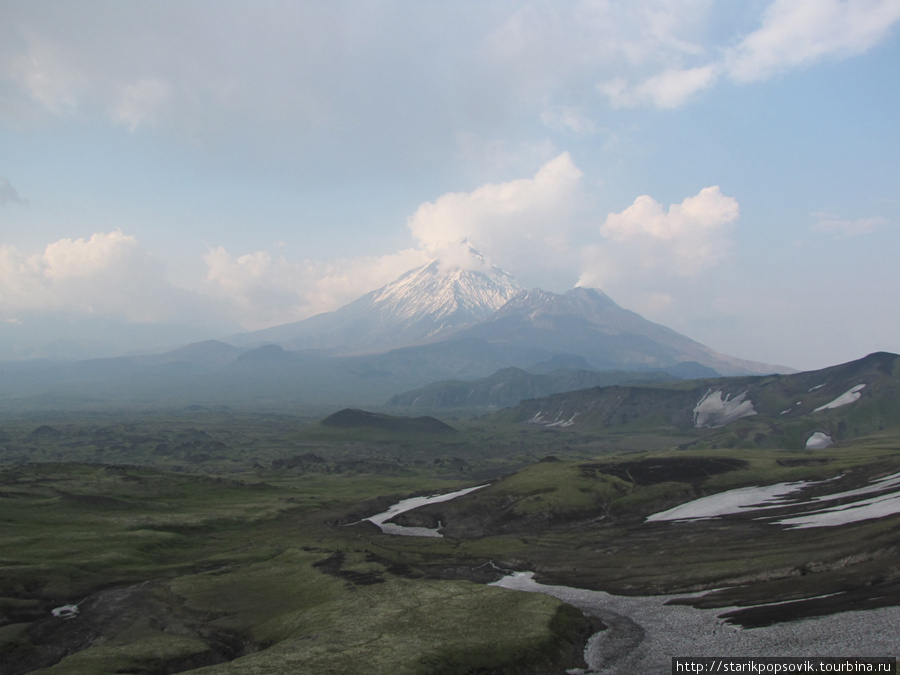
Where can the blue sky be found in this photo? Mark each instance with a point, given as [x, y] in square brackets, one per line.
[727, 169]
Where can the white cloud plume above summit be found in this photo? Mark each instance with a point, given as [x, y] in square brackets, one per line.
[520, 224]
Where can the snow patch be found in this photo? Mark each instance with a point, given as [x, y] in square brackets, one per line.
[564, 423]
[884, 501]
[380, 519]
[713, 411]
[819, 441]
[878, 506]
[848, 396]
[733, 501]
[65, 612]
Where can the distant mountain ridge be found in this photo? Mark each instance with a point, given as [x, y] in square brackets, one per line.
[509, 386]
[801, 410]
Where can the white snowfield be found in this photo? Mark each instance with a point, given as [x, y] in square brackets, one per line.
[819, 441]
[380, 519]
[713, 411]
[733, 501]
[847, 397]
[431, 290]
[884, 501]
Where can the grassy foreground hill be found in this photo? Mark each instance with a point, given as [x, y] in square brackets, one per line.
[172, 573]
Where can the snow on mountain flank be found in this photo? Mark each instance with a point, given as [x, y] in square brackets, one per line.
[713, 411]
[847, 397]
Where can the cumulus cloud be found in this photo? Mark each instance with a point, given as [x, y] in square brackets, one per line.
[831, 224]
[113, 274]
[108, 273]
[9, 194]
[647, 243]
[521, 224]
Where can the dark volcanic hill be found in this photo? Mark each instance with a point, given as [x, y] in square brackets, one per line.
[351, 418]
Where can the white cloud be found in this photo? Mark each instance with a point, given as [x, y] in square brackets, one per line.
[260, 290]
[108, 273]
[707, 211]
[521, 224]
[799, 32]
[831, 224]
[9, 194]
[308, 71]
[112, 274]
[670, 89]
[793, 33]
[646, 244]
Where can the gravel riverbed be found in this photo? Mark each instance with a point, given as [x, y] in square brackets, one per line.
[644, 633]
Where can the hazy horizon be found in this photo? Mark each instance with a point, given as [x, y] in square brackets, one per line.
[177, 171]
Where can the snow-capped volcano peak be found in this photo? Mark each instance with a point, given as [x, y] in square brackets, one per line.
[447, 292]
[450, 292]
